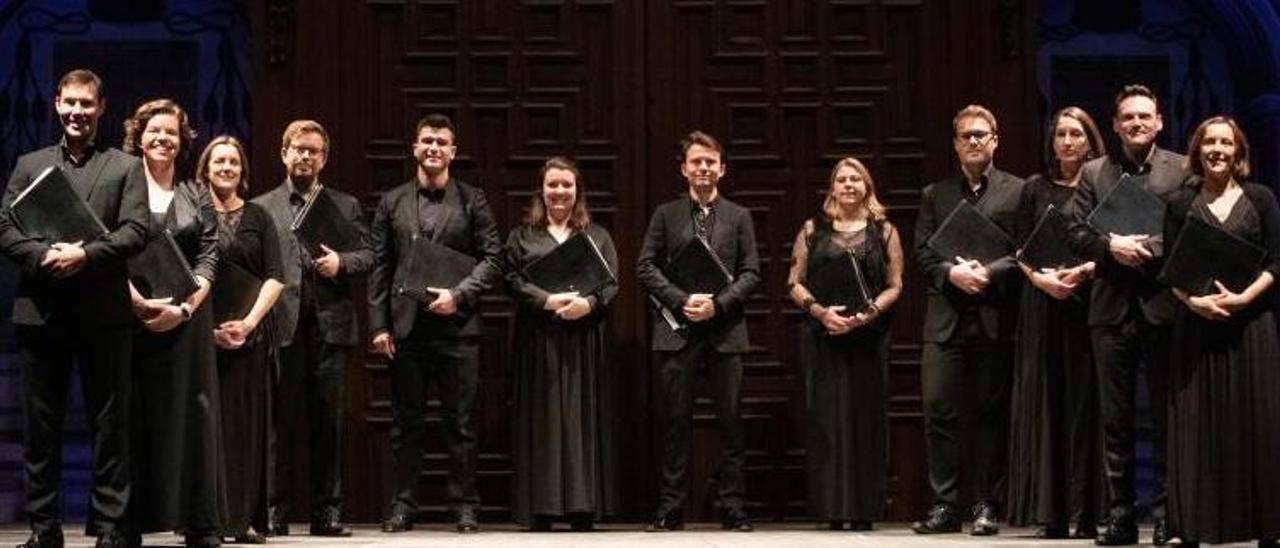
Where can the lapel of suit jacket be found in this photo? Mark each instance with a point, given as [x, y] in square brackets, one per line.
[722, 232]
[681, 227]
[452, 202]
[83, 187]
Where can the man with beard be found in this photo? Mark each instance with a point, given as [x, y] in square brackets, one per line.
[969, 324]
[714, 334]
[1130, 313]
[316, 330]
[432, 339]
[72, 306]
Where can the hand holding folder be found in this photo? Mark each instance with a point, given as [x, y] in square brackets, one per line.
[698, 271]
[840, 282]
[161, 270]
[49, 209]
[1046, 247]
[576, 265]
[1205, 255]
[433, 266]
[969, 235]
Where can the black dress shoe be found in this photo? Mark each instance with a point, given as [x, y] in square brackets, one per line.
[277, 522]
[1117, 532]
[399, 520]
[193, 539]
[582, 522]
[1160, 534]
[736, 521]
[117, 539]
[986, 522]
[467, 521]
[860, 525]
[249, 536]
[666, 521]
[1053, 532]
[327, 523]
[835, 525]
[51, 538]
[942, 519]
[541, 524]
[1085, 529]
[1267, 543]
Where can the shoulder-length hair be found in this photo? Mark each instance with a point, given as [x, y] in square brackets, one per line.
[578, 217]
[202, 166]
[136, 124]
[1239, 165]
[1097, 147]
[831, 208]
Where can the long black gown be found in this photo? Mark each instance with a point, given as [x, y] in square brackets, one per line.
[177, 439]
[247, 238]
[1055, 458]
[563, 424]
[845, 390]
[1224, 408]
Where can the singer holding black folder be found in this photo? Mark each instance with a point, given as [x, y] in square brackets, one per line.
[1225, 367]
[433, 337]
[72, 307]
[246, 339]
[1055, 459]
[844, 348]
[563, 422]
[1130, 313]
[176, 429]
[315, 322]
[968, 329]
[713, 334]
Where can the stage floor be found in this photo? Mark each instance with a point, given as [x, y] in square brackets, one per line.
[617, 536]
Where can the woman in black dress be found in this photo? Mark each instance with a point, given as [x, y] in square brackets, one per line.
[246, 349]
[845, 353]
[1224, 408]
[1055, 460]
[177, 450]
[563, 424]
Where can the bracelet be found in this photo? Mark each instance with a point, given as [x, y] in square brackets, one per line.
[872, 305]
[807, 303]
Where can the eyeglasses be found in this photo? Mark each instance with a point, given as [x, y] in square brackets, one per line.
[304, 151]
[976, 136]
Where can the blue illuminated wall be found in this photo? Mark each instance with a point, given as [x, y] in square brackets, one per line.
[194, 51]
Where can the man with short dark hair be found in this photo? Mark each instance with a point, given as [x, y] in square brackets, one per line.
[434, 339]
[972, 309]
[317, 332]
[73, 307]
[714, 332]
[1130, 313]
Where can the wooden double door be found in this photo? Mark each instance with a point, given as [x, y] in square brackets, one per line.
[789, 86]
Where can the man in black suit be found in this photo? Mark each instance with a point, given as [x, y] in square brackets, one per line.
[72, 306]
[968, 330]
[714, 333]
[317, 331]
[1130, 313]
[433, 339]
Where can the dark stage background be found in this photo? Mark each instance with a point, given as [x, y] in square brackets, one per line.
[789, 86]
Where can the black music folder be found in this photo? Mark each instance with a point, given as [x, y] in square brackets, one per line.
[840, 281]
[49, 209]
[1204, 253]
[697, 269]
[161, 270]
[969, 234]
[322, 222]
[433, 265]
[1047, 247]
[574, 265]
[234, 292]
[1129, 209]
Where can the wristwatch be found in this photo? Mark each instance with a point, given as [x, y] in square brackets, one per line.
[186, 311]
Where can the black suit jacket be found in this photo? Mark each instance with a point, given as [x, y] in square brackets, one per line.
[467, 227]
[998, 305]
[335, 311]
[733, 239]
[1116, 285]
[97, 294]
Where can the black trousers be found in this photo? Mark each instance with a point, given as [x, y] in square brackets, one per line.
[680, 371]
[1120, 351]
[310, 383]
[453, 365]
[970, 368]
[104, 354]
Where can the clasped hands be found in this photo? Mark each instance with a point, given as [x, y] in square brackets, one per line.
[64, 259]
[699, 307]
[568, 305]
[837, 323]
[1060, 283]
[1217, 306]
[969, 275]
[1130, 249]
